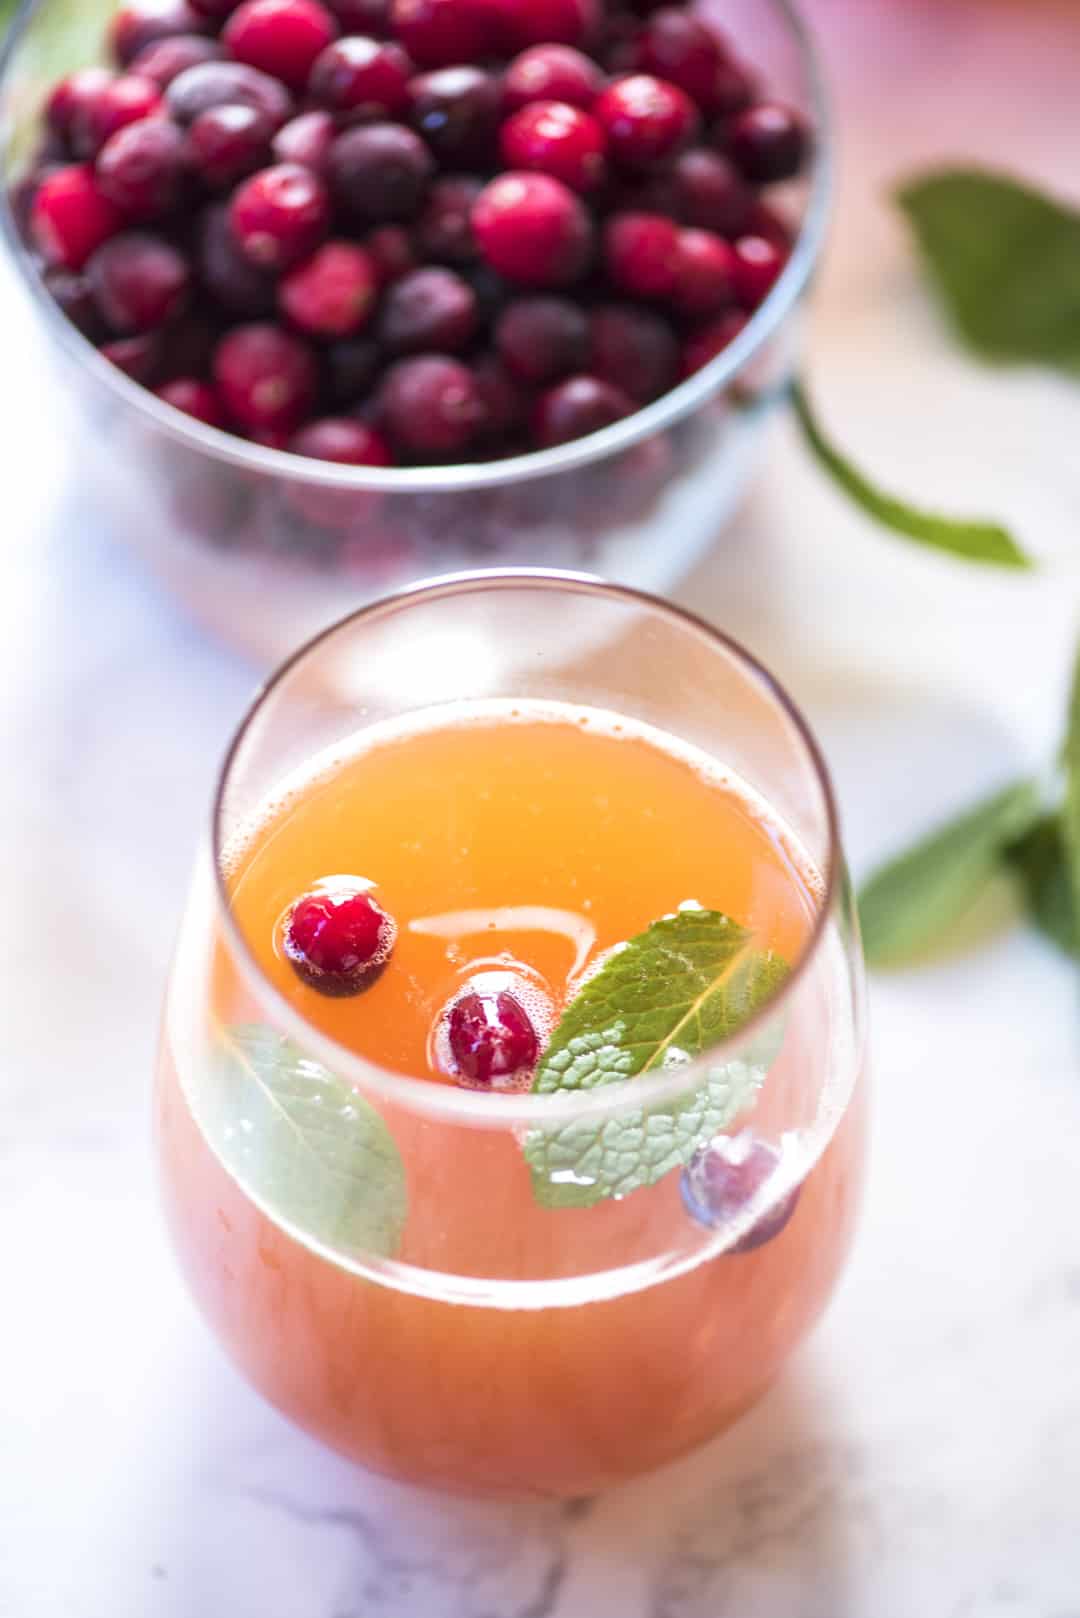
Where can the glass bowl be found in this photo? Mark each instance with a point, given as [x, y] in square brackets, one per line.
[266, 548]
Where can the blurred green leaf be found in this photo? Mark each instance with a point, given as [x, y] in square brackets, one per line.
[1039, 861]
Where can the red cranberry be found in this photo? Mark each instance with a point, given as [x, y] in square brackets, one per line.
[280, 215]
[491, 1036]
[765, 221]
[710, 193]
[306, 139]
[733, 89]
[557, 139]
[139, 23]
[706, 273]
[194, 398]
[723, 1177]
[768, 142]
[633, 349]
[332, 294]
[143, 168]
[368, 17]
[457, 111]
[139, 282]
[756, 267]
[428, 310]
[71, 216]
[338, 940]
[280, 37]
[228, 143]
[645, 119]
[346, 442]
[379, 172]
[230, 278]
[504, 403]
[678, 47]
[551, 73]
[73, 95]
[439, 33]
[138, 357]
[351, 369]
[542, 339]
[430, 405]
[166, 59]
[546, 22]
[641, 251]
[391, 250]
[367, 78]
[533, 229]
[70, 291]
[577, 407]
[266, 378]
[710, 340]
[444, 230]
[219, 84]
[123, 101]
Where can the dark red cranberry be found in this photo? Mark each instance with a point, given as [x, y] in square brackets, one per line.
[188, 344]
[633, 349]
[71, 216]
[72, 293]
[710, 340]
[545, 22]
[214, 11]
[139, 282]
[305, 139]
[444, 230]
[194, 398]
[705, 282]
[430, 405]
[73, 95]
[139, 23]
[542, 339]
[756, 267]
[143, 168]
[557, 139]
[768, 142]
[457, 110]
[219, 84]
[504, 403]
[280, 215]
[430, 310]
[123, 101]
[339, 939]
[677, 46]
[230, 278]
[709, 192]
[379, 172]
[280, 37]
[533, 229]
[368, 17]
[765, 221]
[491, 1036]
[352, 367]
[138, 357]
[577, 407]
[645, 119]
[733, 89]
[331, 294]
[728, 1174]
[166, 59]
[266, 378]
[551, 73]
[225, 144]
[366, 78]
[391, 250]
[440, 33]
[641, 251]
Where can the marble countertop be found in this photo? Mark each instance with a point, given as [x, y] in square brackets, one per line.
[922, 1454]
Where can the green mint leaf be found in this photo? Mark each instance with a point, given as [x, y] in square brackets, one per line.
[1039, 861]
[910, 902]
[1070, 812]
[973, 541]
[1006, 262]
[686, 983]
[304, 1144]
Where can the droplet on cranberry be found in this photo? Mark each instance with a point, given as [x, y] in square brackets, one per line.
[491, 1036]
[577, 407]
[280, 37]
[143, 168]
[71, 216]
[551, 73]
[338, 939]
[430, 405]
[457, 111]
[725, 1176]
[365, 78]
[645, 119]
[332, 293]
[380, 172]
[542, 339]
[533, 229]
[266, 378]
[138, 281]
[555, 138]
[768, 142]
[280, 215]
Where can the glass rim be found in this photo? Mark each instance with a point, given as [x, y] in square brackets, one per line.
[451, 1103]
[681, 401]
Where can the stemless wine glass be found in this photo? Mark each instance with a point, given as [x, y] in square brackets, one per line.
[432, 1317]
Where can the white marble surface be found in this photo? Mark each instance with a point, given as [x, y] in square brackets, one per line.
[923, 1453]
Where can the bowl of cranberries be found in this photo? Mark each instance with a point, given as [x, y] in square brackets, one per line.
[347, 291]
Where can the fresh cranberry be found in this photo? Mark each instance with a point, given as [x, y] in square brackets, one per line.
[546, 22]
[557, 139]
[139, 357]
[280, 37]
[533, 229]
[266, 378]
[280, 215]
[457, 110]
[332, 294]
[768, 142]
[230, 278]
[368, 17]
[225, 144]
[710, 340]
[305, 139]
[366, 78]
[733, 89]
[71, 292]
[72, 96]
[723, 1177]
[542, 339]
[641, 251]
[122, 101]
[633, 349]
[504, 403]
[338, 939]
[351, 369]
[705, 281]
[491, 1036]
[577, 407]
[194, 398]
[139, 23]
[444, 230]
[346, 442]
[709, 192]
[439, 33]
[645, 119]
[165, 59]
[139, 282]
[219, 84]
[430, 310]
[551, 73]
[430, 405]
[765, 221]
[391, 251]
[379, 172]
[71, 216]
[756, 267]
[676, 46]
[143, 168]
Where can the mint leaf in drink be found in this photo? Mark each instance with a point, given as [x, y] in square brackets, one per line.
[1070, 811]
[669, 994]
[303, 1144]
[1006, 262]
[910, 902]
[1039, 861]
[972, 541]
